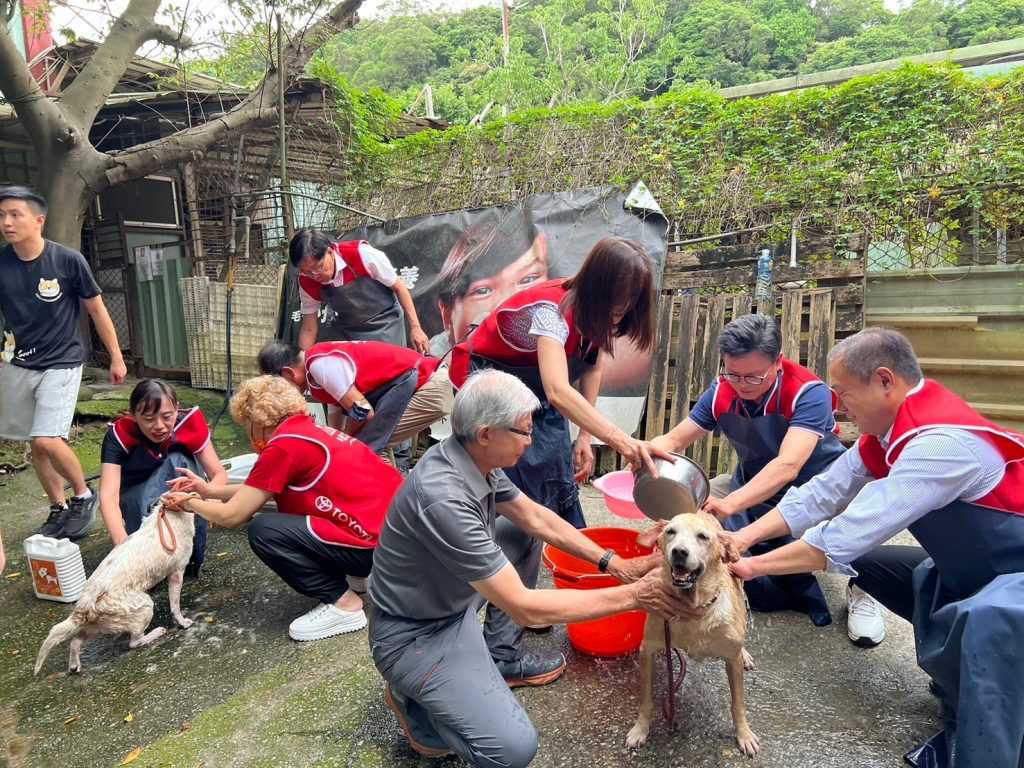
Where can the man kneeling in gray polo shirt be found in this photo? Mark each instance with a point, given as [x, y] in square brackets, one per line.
[444, 550]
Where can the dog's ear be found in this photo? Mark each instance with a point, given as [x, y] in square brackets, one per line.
[649, 537]
[730, 554]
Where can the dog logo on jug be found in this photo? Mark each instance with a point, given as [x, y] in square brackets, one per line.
[45, 574]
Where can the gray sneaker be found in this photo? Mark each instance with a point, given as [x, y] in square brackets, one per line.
[54, 525]
[533, 668]
[81, 516]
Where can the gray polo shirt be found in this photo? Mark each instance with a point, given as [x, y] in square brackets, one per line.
[438, 536]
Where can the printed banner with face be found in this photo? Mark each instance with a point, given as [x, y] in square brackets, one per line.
[459, 266]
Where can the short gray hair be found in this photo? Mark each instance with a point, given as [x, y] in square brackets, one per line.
[751, 333]
[878, 347]
[490, 398]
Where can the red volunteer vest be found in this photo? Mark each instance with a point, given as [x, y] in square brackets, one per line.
[347, 260]
[503, 336]
[794, 380]
[351, 489]
[375, 363]
[191, 432]
[931, 405]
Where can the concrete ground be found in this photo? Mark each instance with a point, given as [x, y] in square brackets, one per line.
[235, 691]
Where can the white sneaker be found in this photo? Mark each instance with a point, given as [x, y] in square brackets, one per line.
[325, 621]
[357, 584]
[864, 622]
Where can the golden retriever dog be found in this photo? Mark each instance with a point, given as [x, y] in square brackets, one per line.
[115, 598]
[696, 559]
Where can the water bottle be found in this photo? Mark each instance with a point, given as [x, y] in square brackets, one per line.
[764, 276]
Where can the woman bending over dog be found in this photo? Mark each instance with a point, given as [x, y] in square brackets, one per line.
[331, 492]
[144, 450]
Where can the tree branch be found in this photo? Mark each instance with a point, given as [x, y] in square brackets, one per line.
[38, 114]
[298, 52]
[174, 38]
[84, 98]
[184, 146]
[258, 108]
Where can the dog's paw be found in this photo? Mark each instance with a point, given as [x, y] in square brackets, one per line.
[748, 742]
[185, 623]
[748, 660]
[637, 736]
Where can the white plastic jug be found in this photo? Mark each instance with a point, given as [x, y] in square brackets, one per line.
[57, 569]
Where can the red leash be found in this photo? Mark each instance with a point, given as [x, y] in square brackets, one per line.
[163, 524]
[668, 704]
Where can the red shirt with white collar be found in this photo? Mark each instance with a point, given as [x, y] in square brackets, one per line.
[352, 259]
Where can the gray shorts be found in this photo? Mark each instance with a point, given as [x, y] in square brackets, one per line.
[37, 403]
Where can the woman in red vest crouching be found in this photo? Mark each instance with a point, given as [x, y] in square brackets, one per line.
[331, 492]
[147, 448]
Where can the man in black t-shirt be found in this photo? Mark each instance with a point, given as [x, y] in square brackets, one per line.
[42, 286]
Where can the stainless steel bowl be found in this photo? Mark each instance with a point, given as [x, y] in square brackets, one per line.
[680, 487]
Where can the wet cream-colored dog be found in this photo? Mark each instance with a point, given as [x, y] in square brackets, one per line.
[696, 559]
[115, 598]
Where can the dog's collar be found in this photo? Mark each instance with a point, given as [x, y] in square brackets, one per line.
[709, 603]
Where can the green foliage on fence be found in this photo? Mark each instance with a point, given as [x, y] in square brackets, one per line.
[898, 155]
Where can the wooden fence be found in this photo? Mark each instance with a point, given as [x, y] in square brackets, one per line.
[816, 304]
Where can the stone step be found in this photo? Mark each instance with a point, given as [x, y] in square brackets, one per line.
[972, 365]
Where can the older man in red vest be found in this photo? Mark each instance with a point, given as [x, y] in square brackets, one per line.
[927, 462]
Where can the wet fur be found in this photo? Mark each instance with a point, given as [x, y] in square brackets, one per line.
[692, 543]
[115, 599]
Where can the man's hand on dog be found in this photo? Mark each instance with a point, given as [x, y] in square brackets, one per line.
[628, 570]
[656, 595]
[744, 568]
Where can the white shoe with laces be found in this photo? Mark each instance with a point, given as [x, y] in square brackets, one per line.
[325, 621]
[864, 622]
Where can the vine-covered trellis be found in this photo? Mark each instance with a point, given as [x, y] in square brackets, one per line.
[928, 157]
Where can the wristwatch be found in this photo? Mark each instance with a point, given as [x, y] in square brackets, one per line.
[359, 410]
[602, 564]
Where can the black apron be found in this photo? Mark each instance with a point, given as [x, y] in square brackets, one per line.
[545, 470]
[969, 629]
[757, 440]
[365, 310]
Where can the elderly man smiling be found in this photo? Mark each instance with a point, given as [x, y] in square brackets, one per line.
[444, 550]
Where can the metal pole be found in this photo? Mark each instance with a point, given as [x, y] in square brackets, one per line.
[286, 203]
[289, 194]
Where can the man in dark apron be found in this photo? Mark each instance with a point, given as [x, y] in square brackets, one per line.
[358, 284]
[929, 463]
[779, 417]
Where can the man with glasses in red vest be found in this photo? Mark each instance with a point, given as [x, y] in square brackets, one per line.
[780, 419]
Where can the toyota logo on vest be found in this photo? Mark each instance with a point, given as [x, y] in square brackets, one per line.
[324, 504]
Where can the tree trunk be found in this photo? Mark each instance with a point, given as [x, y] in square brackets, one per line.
[70, 183]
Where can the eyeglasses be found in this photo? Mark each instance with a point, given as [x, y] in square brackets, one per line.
[320, 269]
[523, 432]
[734, 378]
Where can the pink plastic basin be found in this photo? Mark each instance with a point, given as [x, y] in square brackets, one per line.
[617, 488]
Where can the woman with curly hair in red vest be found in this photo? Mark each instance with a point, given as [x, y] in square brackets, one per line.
[331, 493]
